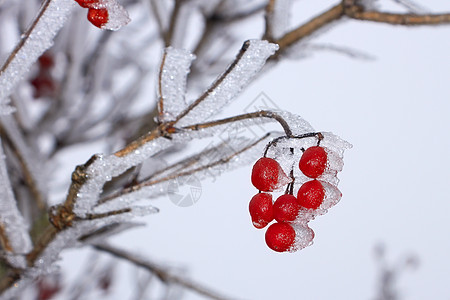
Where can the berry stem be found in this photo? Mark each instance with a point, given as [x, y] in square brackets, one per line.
[274, 142]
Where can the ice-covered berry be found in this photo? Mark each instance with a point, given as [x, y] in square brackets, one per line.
[261, 210]
[280, 237]
[267, 175]
[286, 208]
[313, 161]
[87, 3]
[311, 194]
[98, 17]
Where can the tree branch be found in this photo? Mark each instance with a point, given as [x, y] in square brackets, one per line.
[352, 10]
[399, 19]
[161, 273]
[139, 185]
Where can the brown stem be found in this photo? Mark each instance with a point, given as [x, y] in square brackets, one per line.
[173, 22]
[268, 32]
[352, 10]
[400, 19]
[27, 174]
[292, 37]
[302, 136]
[161, 96]
[155, 133]
[253, 115]
[163, 274]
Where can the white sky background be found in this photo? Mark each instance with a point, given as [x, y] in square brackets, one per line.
[395, 183]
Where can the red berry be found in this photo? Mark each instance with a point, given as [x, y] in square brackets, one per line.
[286, 208]
[311, 194]
[313, 162]
[43, 85]
[280, 237]
[87, 3]
[98, 17]
[261, 210]
[267, 175]
[46, 61]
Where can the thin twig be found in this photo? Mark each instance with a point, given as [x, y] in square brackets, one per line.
[254, 115]
[163, 274]
[27, 173]
[139, 185]
[160, 93]
[268, 32]
[294, 36]
[352, 10]
[173, 22]
[400, 19]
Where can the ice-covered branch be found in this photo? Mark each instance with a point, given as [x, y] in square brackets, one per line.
[36, 39]
[14, 237]
[207, 163]
[172, 83]
[29, 161]
[227, 86]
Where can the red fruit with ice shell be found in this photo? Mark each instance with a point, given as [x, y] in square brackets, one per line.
[267, 175]
[261, 210]
[87, 3]
[286, 208]
[280, 237]
[313, 161]
[311, 194]
[98, 17]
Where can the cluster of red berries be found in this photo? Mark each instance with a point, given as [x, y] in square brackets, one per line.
[97, 14]
[290, 232]
[44, 84]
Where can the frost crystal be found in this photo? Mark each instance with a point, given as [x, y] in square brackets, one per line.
[174, 71]
[227, 86]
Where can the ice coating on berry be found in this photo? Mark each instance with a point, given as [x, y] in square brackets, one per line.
[313, 161]
[261, 210]
[311, 194]
[304, 237]
[332, 195]
[286, 208]
[267, 175]
[117, 16]
[280, 237]
[86, 3]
